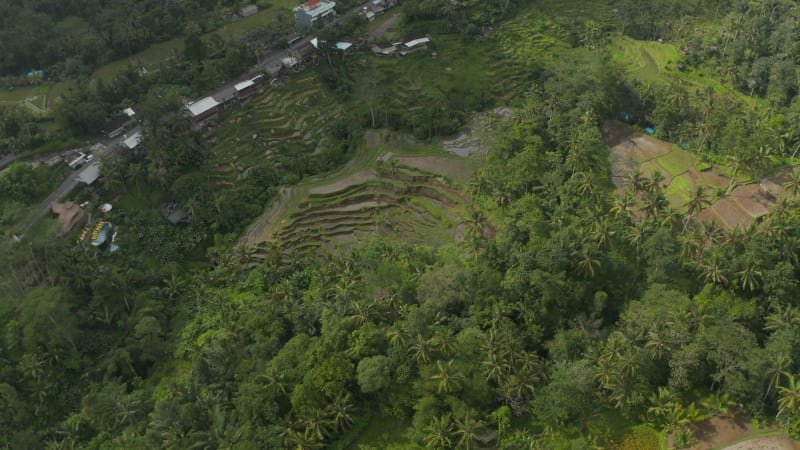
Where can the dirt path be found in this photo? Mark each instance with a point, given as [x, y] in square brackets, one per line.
[259, 231]
[766, 443]
[388, 25]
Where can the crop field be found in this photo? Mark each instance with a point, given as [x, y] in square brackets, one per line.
[743, 203]
[401, 197]
[289, 121]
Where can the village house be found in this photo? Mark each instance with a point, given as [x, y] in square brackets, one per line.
[306, 14]
[117, 125]
[132, 141]
[413, 43]
[245, 89]
[384, 49]
[89, 175]
[203, 109]
[376, 7]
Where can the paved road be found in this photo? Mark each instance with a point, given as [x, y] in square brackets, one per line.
[107, 148]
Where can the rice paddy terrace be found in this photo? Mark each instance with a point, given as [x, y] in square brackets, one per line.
[289, 121]
[409, 193]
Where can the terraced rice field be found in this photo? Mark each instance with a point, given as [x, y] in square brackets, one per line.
[409, 197]
[743, 203]
[408, 203]
[290, 121]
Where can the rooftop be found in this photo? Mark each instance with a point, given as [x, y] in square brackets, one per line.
[133, 140]
[201, 106]
[243, 85]
[90, 174]
[315, 7]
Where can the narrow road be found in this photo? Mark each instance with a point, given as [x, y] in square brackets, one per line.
[108, 148]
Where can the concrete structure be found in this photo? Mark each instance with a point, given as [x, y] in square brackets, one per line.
[248, 10]
[306, 14]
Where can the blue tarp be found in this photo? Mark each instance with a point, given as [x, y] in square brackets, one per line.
[649, 130]
[35, 73]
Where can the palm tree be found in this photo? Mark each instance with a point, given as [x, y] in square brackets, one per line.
[793, 185]
[341, 412]
[698, 202]
[318, 423]
[624, 204]
[636, 181]
[447, 377]
[712, 271]
[789, 400]
[494, 369]
[467, 429]
[777, 371]
[749, 276]
[420, 350]
[438, 434]
[589, 263]
[444, 341]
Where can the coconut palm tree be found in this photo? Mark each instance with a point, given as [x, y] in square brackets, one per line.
[467, 430]
[749, 277]
[793, 185]
[712, 271]
[447, 377]
[777, 371]
[698, 202]
[340, 412]
[789, 397]
[438, 433]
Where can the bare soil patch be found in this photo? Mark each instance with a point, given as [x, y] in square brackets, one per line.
[631, 152]
[716, 431]
[766, 443]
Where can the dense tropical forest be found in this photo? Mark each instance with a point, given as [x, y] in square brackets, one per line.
[574, 309]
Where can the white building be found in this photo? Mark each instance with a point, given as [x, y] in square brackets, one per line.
[306, 14]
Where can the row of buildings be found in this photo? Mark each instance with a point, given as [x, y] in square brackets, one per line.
[207, 107]
[411, 43]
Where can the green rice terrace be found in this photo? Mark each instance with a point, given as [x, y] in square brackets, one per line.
[285, 121]
[394, 186]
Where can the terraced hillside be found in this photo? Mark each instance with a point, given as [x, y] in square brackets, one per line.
[399, 192]
[286, 122]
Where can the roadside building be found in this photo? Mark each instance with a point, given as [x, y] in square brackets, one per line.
[117, 125]
[374, 8]
[309, 12]
[202, 109]
[89, 175]
[132, 141]
[245, 89]
[225, 95]
[248, 10]
[384, 49]
[414, 43]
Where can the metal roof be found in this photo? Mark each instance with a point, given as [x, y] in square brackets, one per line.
[202, 105]
[133, 140]
[90, 174]
[243, 85]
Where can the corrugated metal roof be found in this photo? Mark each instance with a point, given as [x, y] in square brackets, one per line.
[243, 85]
[133, 141]
[201, 106]
[90, 174]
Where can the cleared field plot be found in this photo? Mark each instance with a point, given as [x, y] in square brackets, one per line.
[740, 204]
